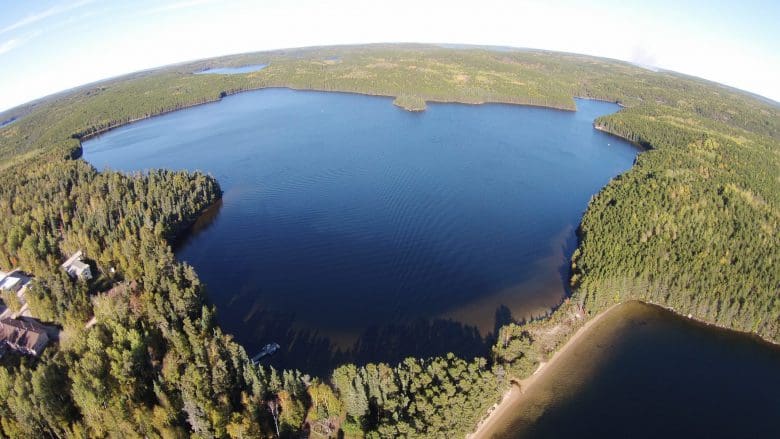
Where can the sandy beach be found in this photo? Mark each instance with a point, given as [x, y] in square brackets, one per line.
[512, 396]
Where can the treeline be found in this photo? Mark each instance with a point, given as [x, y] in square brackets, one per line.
[431, 73]
[693, 225]
[440, 397]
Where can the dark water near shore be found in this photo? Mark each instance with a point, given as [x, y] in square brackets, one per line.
[351, 230]
[643, 372]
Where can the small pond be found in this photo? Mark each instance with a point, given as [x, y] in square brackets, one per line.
[233, 70]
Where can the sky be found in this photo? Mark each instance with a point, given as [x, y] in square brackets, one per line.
[49, 46]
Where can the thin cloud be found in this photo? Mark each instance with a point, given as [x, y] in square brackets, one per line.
[10, 45]
[34, 18]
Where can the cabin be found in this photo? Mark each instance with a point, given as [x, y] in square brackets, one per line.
[25, 336]
[76, 267]
[12, 281]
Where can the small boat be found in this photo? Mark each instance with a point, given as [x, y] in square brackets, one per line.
[268, 349]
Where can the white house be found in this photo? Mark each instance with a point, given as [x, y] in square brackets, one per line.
[10, 283]
[13, 281]
[76, 267]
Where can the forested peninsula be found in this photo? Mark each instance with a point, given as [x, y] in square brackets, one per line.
[693, 226]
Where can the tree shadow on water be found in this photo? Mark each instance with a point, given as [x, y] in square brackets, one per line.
[206, 219]
[316, 354]
[420, 338]
[567, 248]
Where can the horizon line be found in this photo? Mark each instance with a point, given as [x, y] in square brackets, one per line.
[441, 45]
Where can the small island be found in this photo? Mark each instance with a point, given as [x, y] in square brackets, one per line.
[410, 103]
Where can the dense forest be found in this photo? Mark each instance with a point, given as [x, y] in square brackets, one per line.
[693, 226]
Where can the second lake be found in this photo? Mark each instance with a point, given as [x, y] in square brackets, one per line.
[351, 230]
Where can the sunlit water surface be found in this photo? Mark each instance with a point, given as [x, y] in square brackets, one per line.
[351, 230]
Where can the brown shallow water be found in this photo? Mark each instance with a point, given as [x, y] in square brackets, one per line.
[642, 371]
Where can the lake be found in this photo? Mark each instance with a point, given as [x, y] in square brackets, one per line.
[233, 70]
[351, 230]
[643, 372]
[8, 121]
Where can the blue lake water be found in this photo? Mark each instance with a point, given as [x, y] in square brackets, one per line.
[8, 121]
[351, 230]
[233, 70]
[643, 372]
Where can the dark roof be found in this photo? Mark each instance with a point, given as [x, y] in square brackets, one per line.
[21, 333]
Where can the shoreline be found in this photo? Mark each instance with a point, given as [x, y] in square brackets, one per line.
[497, 411]
[520, 387]
[621, 105]
[716, 326]
[226, 93]
[96, 133]
[603, 129]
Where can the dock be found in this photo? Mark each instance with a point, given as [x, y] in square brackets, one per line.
[267, 350]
